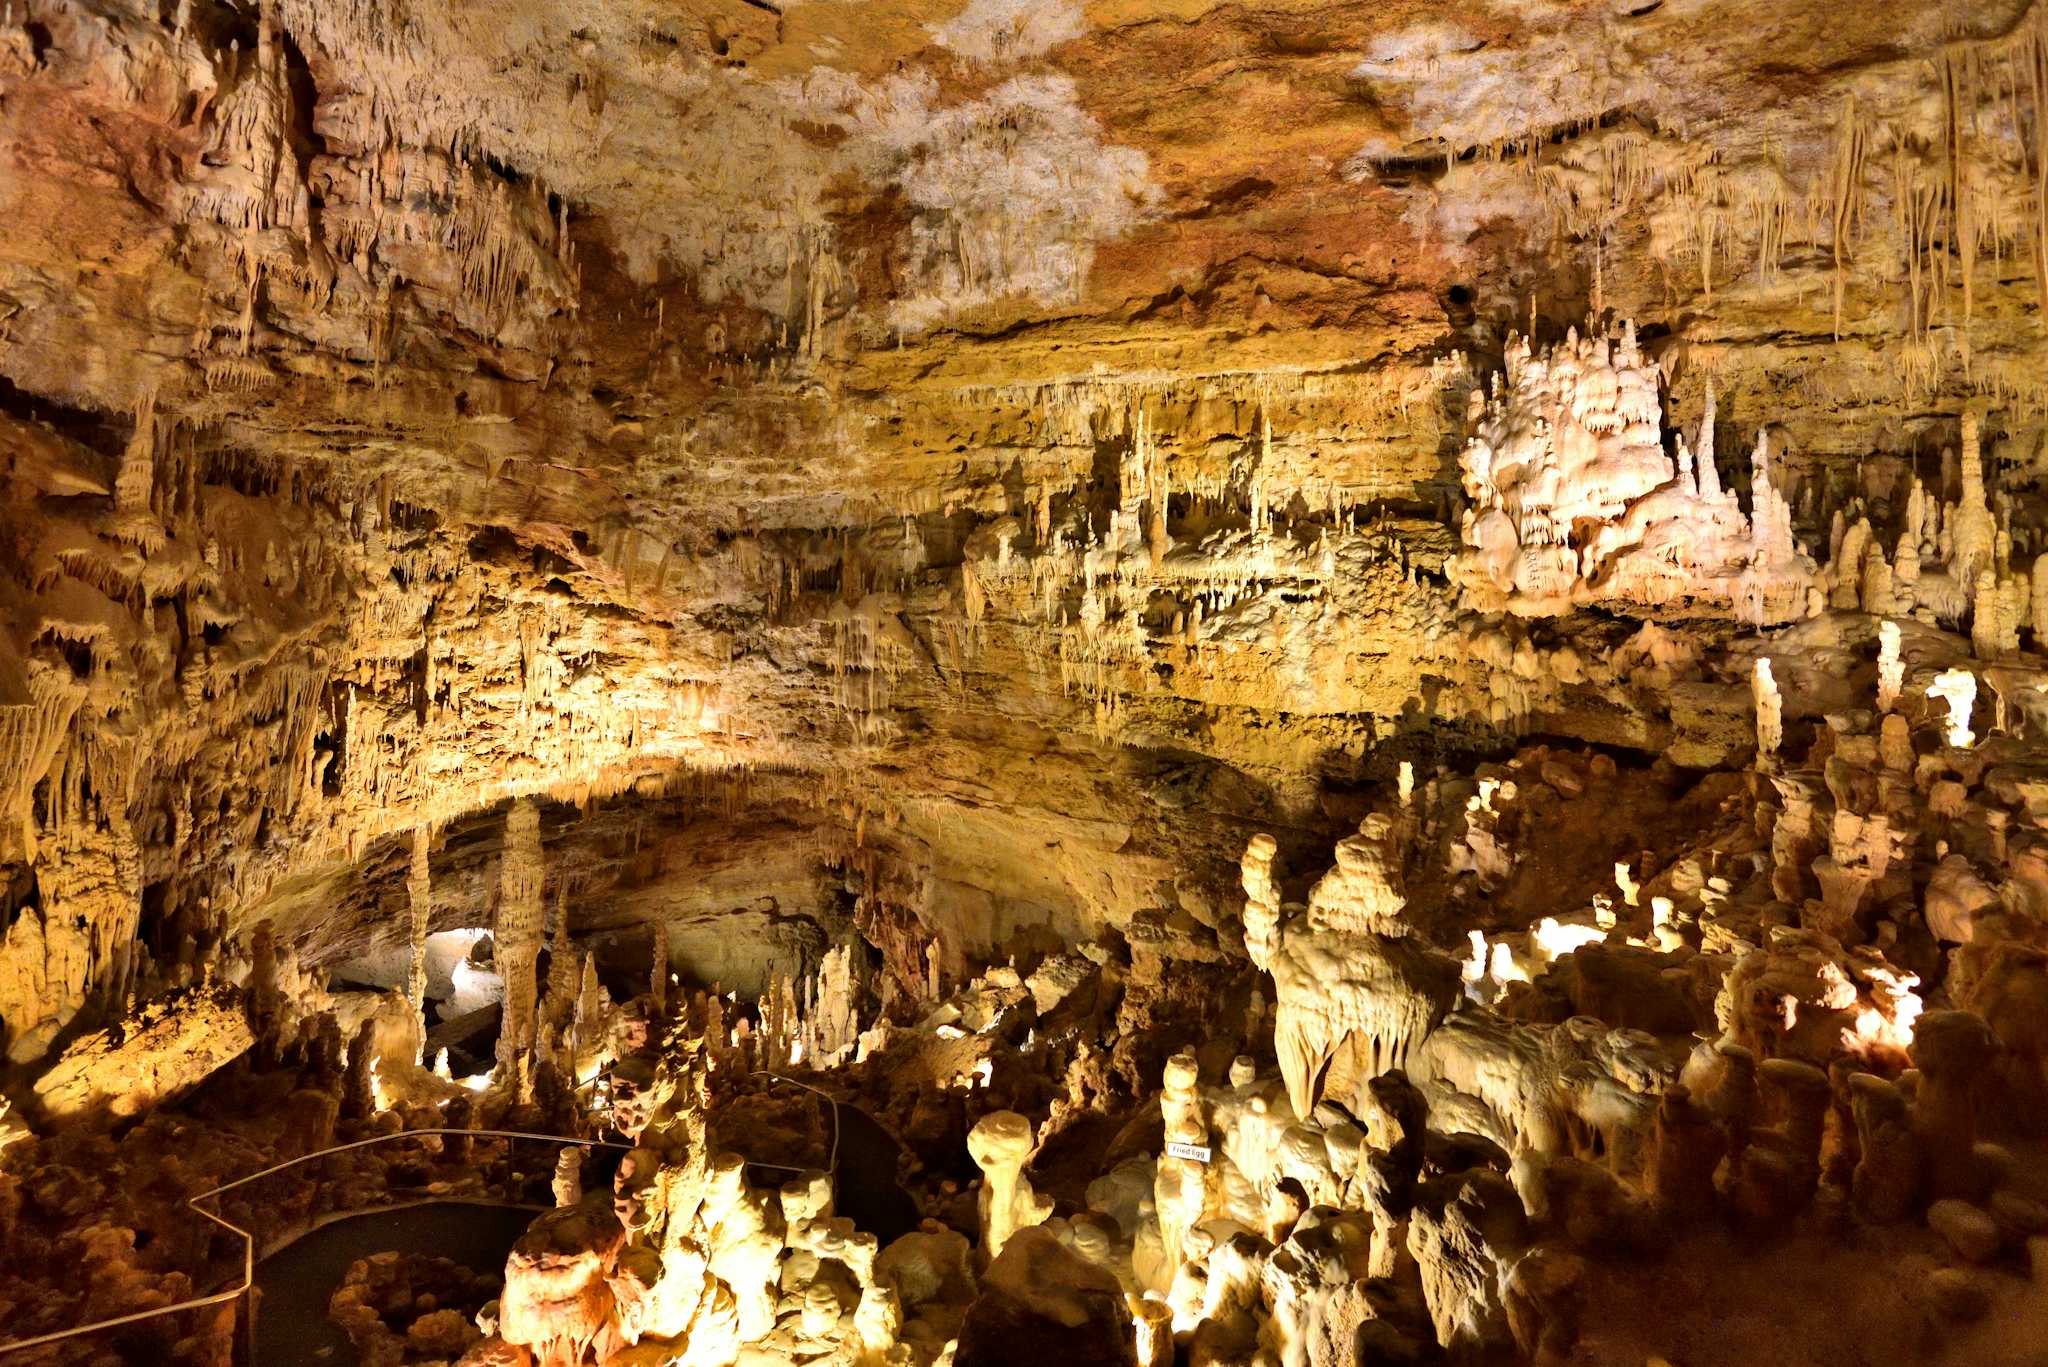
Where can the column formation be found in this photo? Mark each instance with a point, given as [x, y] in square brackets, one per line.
[419, 888]
[518, 935]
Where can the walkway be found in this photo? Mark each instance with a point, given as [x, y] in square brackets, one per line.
[296, 1282]
[299, 1279]
[864, 1189]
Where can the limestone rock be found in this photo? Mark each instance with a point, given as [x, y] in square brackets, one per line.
[1041, 1302]
[1973, 1234]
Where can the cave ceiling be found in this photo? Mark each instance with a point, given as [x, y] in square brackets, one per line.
[406, 407]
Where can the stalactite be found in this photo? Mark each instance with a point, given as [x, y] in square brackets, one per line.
[30, 734]
[1845, 194]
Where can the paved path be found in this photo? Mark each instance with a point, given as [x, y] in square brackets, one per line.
[292, 1328]
[866, 1190]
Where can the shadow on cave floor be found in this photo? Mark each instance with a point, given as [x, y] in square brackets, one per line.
[865, 1189]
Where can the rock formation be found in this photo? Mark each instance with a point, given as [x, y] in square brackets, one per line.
[516, 934]
[1254, 683]
[1573, 500]
[1356, 991]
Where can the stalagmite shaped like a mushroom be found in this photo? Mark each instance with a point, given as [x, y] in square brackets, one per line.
[558, 1299]
[1000, 1144]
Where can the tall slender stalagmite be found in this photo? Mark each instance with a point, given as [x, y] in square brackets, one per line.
[518, 937]
[1976, 530]
[559, 1005]
[419, 888]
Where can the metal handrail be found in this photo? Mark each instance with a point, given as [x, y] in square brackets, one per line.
[248, 1238]
[831, 1163]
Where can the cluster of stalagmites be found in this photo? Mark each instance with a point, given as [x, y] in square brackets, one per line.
[1446, 1146]
[1958, 556]
[1574, 501]
[1454, 1132]
[310, 1071]
[1450, 1146]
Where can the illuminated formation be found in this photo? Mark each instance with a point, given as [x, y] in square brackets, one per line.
[1573, 499]
[989, 683]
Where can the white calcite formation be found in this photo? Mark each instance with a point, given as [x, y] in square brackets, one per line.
[1573, 499]
[1356, 991]
[1000, 1143]
[1770, 708]
[1956, 690]
[1891, 667]
[1179, 1192]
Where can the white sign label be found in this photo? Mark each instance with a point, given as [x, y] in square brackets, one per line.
[1198, 1153]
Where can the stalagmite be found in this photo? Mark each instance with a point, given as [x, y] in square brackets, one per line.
[1624, 877]
[1001, 1143]
[568, 1183]
[1891, 669]
[1957, 688]
[1770, 723]
[420, 899]
[1179, 1193]
[1987, 635]
[819, 465]
[2037, 615]
[1709, 482]
[517, 936]
[1355, 990]
[558, 1001]
[1974, 528]
[658, 974]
